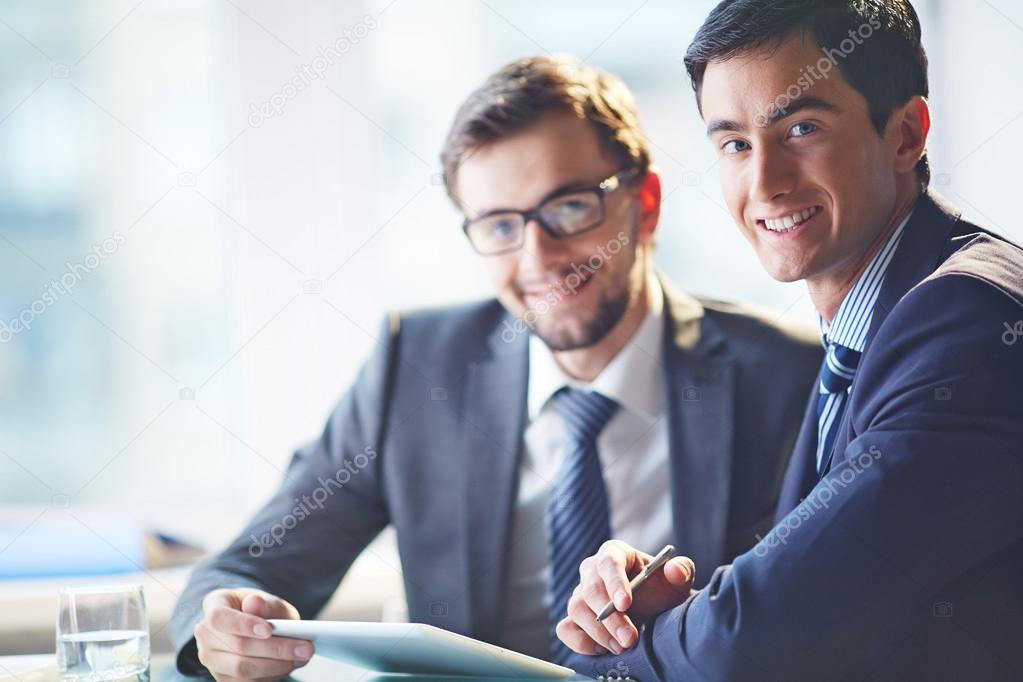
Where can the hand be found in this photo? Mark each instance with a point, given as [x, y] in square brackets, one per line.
[234, 640]
[608, 573]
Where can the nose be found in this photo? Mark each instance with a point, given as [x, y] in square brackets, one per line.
[544, 248]
[772, 175]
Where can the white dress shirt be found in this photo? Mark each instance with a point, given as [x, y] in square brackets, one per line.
[633, 449]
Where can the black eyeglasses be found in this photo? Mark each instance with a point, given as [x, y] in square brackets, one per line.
[563, 214]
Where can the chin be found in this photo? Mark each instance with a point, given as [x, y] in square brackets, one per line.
[782, 269]
[785, 273]
[568, 335]
[580, 331]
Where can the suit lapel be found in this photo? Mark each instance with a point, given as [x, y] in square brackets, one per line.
[494, 414]
[920, 252]
[922, 249]
[801, 474]
[700, 392]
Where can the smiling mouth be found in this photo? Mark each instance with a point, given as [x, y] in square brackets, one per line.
[790, 222]
[561, 288]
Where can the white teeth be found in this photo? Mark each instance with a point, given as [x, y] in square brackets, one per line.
[789, 223]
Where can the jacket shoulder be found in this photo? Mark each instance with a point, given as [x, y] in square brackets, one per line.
[462, 316]
[763, 331]
[987, 258]
[451, 333]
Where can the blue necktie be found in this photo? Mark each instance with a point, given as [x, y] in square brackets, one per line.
[840, 364]
[578, 519]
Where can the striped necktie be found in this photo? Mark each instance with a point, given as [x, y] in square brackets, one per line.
[840, 364]
[577, 515]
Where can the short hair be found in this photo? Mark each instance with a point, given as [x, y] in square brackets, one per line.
[515, 97]
[887, 66]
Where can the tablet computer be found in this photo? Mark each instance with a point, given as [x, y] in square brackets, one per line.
[415, 648]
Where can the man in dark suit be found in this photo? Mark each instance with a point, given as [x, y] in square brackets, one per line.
[474, 430]
[898, 548]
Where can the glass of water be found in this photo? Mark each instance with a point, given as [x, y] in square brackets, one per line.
[102, 633]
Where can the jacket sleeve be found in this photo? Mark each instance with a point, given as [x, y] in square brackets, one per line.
[930, 489]
[329, 507]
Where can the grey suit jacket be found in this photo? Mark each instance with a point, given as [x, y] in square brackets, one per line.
[429, 439]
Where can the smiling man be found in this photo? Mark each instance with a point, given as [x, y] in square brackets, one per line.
[505, 440]
[898, 548]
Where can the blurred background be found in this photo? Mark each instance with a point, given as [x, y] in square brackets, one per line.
[206, 209]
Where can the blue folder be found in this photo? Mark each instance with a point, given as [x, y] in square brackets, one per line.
[63, 547]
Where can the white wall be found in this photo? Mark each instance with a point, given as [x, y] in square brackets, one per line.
[228, 224]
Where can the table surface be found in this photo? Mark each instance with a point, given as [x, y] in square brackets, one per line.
[42, 668]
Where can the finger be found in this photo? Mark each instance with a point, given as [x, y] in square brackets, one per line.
[245, 667]
[617, 624]
[578, 641]
[583, 616]
[227, 620]
[281, 648]
[613, 563]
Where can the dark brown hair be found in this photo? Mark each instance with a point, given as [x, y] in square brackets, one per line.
[888, 66]
[520, 93]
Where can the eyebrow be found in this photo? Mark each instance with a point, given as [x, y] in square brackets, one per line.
[777, 114]
[564, 188]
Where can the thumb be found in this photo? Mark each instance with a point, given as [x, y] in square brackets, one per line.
[264, 606]
[667, 588]
[680, 573]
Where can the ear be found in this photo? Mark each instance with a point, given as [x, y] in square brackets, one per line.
[650, 205]
[912, 126]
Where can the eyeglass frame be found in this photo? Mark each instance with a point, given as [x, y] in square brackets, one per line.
[602, 189]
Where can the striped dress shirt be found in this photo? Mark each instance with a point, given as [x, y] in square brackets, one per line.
[849, 330]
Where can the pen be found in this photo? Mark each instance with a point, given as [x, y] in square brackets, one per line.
[659, 560]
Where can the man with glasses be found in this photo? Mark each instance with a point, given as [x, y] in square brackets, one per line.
[507, 440]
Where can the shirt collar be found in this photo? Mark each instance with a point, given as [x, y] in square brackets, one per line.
[849, 328]
[632, 378]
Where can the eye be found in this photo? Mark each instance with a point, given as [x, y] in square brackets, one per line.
[572, 212]
[503, 228]
[573, 208]
[735, 147]
[802, 129]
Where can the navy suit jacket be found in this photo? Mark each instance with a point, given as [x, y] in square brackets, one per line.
[433, 429]
[905, 562]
